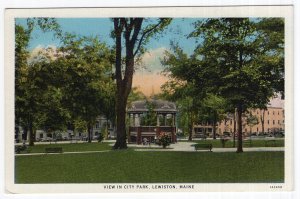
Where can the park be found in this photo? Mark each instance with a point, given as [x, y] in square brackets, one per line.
[143, 100]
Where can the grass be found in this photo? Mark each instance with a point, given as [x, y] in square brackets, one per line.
[229, 143]
[71, 147]
[128, 166]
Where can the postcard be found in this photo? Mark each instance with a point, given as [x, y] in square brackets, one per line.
[149, 99]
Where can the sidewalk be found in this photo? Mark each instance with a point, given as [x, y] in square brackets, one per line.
[179, 146]
[187, 146]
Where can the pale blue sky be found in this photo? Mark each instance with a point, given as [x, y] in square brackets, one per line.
[102, 27]
[148, 79]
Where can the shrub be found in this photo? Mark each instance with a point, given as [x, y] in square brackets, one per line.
[164, 139]
[100, 137]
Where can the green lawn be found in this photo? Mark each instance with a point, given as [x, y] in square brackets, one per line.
[128, 166]
[229, 143]
[71, 147]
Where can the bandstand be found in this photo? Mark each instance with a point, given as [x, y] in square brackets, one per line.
[165, 113]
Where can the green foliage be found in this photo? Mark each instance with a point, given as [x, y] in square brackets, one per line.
[100, 137]
[149, 118]
[164, 139]
[27, 79]
[70, 84]
[235, 60]
[251, 120]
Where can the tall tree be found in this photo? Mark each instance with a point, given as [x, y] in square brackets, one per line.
[88, 86]
[135, 32]
[238, 62]
[26, 92]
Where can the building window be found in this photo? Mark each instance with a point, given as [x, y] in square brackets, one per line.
[257, 129]
[273, 112]
[278, 112]
[268, 122]
[273, 121]
[278, 121]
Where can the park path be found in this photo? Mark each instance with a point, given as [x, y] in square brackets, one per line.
[179, 146]
[187, 146]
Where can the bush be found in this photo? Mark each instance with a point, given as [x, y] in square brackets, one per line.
[164, 139]
[100, 137]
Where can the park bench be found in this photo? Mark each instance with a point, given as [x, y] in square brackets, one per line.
[54, 150]
[203, 147]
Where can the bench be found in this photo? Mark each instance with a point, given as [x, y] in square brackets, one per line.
[54, 150]
[203, 147]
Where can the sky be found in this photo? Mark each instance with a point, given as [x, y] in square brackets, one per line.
[148, 79]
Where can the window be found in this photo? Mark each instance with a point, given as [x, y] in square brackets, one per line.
[278, 112]
[273, 112]
[273, 121]
[268, 122]
[257, 129]
[278, 121]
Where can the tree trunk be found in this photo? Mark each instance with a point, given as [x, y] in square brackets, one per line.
[130, 30]
[240, 131]
[24, 134]
[121, 125]
[262, 120]
[214, 126]
[214, 130]
[234, 127]
[89, 133]
[31, 135]
[190, 132]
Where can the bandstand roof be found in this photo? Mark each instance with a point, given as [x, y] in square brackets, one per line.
[160, 106]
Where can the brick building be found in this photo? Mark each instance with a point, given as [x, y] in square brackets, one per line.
[269, 121]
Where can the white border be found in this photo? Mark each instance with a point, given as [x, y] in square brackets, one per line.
[290, 79]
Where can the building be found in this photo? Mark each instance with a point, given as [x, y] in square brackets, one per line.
[148, 118]
[100, 124]
[269, 121]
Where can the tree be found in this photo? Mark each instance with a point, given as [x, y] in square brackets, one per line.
[26, 92]
[238, 62]
[215, 106]
[135, 37]
[251, 121]
[88, 87]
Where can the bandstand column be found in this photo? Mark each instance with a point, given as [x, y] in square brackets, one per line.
[157, 120]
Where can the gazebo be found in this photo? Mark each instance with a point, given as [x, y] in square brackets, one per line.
[165, 116]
